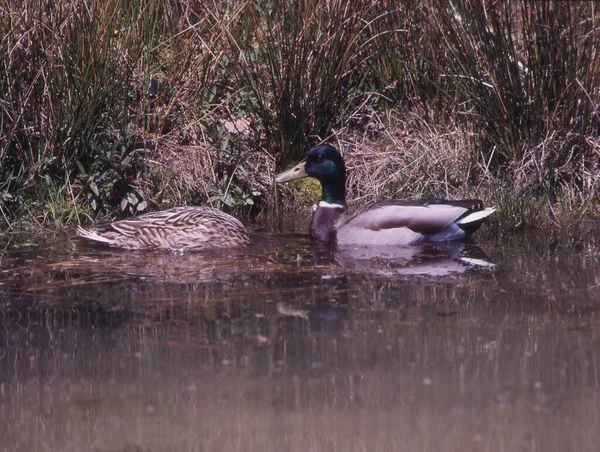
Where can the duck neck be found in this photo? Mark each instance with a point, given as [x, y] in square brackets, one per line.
[334, 193]
[330, 210]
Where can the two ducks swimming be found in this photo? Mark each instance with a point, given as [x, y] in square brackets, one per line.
[394, 222]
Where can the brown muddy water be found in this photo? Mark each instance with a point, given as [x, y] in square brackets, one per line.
[288, 346]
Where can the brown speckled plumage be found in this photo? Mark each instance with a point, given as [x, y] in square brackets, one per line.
[181, 228]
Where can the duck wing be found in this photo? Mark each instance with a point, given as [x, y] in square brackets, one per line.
[184, 228]
[423, 216]
[177, 219]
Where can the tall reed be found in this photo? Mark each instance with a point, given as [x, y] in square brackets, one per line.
[528, 77]
[295, 60]
[83, 83]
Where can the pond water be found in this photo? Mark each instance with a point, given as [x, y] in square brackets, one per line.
[290, 346]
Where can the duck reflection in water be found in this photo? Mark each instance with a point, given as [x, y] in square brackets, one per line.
[426, 259]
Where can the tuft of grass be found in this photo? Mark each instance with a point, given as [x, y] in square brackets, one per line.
[525, 75]
[293, 62]
[66, 79]
[85, 84]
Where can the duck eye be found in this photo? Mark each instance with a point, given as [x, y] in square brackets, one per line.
[320, 158]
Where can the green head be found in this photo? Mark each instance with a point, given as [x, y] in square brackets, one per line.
[324, 163]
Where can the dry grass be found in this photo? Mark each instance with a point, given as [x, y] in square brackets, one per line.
[409, 159]
[190, 174]
[186, 172]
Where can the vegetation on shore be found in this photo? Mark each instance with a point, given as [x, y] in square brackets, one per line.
[113, 108]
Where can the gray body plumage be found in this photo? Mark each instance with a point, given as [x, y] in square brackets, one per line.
[405, 222]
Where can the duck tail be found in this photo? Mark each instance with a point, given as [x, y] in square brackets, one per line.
[91, 235]
[473, 221]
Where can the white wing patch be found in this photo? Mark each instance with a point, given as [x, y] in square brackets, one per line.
[476, 216]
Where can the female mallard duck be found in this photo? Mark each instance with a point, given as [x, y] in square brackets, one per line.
[395, 222]
[181, 229]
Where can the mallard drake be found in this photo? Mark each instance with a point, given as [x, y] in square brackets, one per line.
[395, 222]
[181, 228]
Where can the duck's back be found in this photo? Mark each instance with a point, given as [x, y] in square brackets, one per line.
[406, 222]
[181, 228]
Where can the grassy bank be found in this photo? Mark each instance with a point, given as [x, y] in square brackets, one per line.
[113, 108]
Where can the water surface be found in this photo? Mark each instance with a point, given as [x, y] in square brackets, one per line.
[288, 346]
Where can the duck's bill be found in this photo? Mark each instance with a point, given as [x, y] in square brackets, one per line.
[297, 172]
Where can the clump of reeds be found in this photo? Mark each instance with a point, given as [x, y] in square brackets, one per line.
[527, 75]
[516, 85]
[294, 62]
[68, 71]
